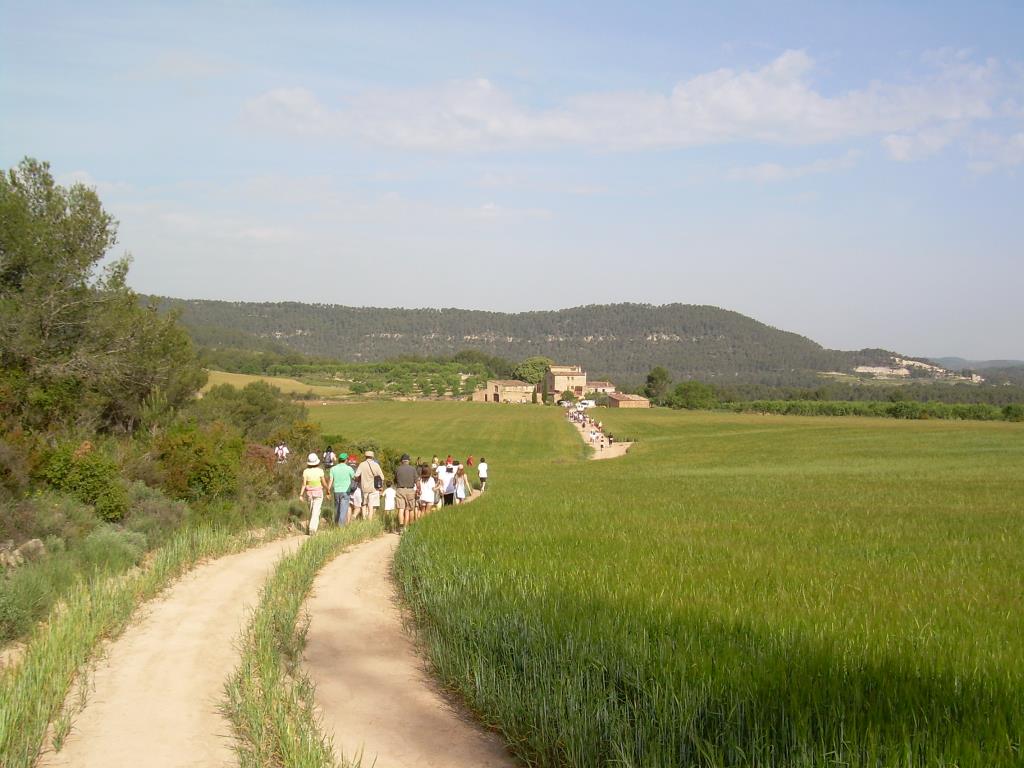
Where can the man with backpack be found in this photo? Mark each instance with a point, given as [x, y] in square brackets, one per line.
[371, 482]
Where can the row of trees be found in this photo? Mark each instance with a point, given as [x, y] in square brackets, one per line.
[828, 400]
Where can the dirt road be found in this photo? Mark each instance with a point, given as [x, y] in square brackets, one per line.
[155, 696]
[371, 685]
[612, 451]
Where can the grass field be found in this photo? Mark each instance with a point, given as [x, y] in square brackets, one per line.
[738, 590]
[288, 386]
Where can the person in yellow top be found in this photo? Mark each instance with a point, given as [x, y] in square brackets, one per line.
[314, 488]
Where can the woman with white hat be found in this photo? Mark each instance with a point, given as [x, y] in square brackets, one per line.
[314, 488]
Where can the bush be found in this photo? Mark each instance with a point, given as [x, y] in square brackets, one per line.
[14, 468]
[153, 514]
[1013, 412]
[90, 476]
[46, 514]
[200, 464]
[109, 549]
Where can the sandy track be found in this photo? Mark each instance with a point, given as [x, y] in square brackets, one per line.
[371, 685]
[612, 451]
[156, 694]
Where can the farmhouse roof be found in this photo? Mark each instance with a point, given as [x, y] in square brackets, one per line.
[510, 383]
[621, 396]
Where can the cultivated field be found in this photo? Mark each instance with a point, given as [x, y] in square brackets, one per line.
[288, 386]
[738, 590]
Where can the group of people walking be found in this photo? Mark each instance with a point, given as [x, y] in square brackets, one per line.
[359, 487]
[593, 430]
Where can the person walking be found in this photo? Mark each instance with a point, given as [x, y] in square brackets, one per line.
[481, 470]
[425, 491]
[446, 480]
[371, 481]
[405, 479]
[341, 475]
[314, 487]
[461, 485]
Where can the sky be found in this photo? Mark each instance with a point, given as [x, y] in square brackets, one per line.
[853, 172]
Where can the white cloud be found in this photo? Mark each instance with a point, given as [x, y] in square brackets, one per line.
[907, 147]
[990, 151]
[103, 188]
[768, 172]
[491, 211]
[776, 104]
[294, 110]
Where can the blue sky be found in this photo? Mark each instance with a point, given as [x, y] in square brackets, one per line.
[849, 171]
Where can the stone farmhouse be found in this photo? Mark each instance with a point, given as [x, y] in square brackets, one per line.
[601, 387]
[572, 378]
[620, 400]
[505, 391]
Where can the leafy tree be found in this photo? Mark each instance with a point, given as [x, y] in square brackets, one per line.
[658, 381]
[693, 395]
[568, 396]
[77, 347]
[532, 370]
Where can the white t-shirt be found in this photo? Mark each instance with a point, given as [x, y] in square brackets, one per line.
[446, 479]
[427, 490]
[482, 469]
[389, 499]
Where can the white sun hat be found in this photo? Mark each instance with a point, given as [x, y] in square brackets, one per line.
[313, 460]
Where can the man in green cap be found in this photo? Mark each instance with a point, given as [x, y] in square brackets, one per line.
[341, 480]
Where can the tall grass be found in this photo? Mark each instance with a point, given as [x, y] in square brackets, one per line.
[31, 693]
[738, 590]
[269, 700]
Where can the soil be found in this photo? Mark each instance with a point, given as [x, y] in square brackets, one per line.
[156, 694]
[375, 695]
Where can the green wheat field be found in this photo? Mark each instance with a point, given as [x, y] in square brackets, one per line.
[738, 590]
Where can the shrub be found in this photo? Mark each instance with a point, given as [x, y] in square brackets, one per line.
[109, 549]
[14, 469]
[200, 463]
[46, 514]
[1013, 412]
[153, 514]
[89, 475]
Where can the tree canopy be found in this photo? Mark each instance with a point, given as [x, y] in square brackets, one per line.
[77, 349]
[532, 370]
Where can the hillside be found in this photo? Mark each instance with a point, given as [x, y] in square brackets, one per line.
[619, 341]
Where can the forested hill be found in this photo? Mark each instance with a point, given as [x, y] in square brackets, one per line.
[619, 341]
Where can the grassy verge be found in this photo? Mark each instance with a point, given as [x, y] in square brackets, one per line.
[33, 692]
[269, 699]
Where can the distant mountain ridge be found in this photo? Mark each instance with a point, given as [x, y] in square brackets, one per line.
[619, 341]
[959, 363]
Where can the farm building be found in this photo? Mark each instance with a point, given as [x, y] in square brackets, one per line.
[619, 400]
[561, 378]
[505, 391]
[601, 387]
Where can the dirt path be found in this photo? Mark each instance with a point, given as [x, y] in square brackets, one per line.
[156, 695]
[612, 451]
[371, 685]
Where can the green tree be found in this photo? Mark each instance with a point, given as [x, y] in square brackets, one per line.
[532, 370]
[77, 349]
[693, 395]
[657, 384]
